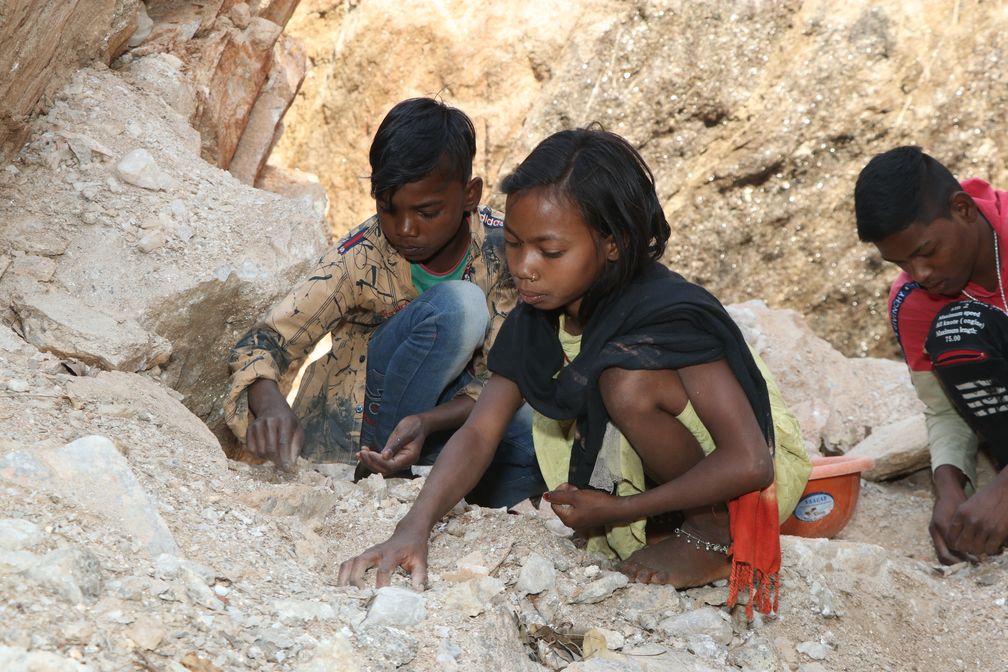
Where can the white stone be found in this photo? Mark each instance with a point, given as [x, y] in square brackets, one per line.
[139, 169]
[183, 232]
[473, 597]
[332, 655]
[92, 472]
[814, 650]
[396, 606]
[705, 621]
[274, 637]
[600, 588]
[198, 590]
[64, 325]
[144, 27]
[15, 659]
[834, 398]
[704, 646]
[17, 385]
[448, 655]
[537, 574]
[16, 534]
[298, 612]
[178, 208]
[168, 566]
[146, 632]
[151, 241]
[813, 556]
[375, 486]
[824, 600]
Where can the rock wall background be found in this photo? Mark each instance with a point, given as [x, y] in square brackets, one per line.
[43, 44]
[756, 116]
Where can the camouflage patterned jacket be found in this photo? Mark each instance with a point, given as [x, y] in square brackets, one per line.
[356, 285]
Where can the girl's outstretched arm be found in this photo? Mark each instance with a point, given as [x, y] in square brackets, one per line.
[458, 468]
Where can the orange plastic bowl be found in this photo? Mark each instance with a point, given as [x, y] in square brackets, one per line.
[829, 498]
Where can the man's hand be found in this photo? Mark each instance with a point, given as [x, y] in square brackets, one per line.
[276, 433]
[402, 450]
[949, 493]
[944, 511]
[583, 509]
[406, 549]
[980, 524]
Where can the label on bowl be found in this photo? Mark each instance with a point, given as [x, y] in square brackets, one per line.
[814, 506]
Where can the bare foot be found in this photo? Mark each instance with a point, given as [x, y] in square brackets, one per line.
[677, 562]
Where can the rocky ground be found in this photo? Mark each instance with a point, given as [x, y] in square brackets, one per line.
[129, 542]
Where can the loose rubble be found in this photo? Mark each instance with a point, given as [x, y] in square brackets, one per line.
[250, 582]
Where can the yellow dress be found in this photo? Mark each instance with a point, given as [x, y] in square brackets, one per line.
[553, 440]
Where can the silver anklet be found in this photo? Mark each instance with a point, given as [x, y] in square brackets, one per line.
[700, 543]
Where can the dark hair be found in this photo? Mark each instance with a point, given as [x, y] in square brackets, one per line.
[607, 180]
[417, 137]
[898, 188]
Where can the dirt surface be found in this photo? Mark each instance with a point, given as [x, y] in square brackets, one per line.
[251, 585]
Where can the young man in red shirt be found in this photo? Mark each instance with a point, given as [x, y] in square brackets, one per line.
[948, 309]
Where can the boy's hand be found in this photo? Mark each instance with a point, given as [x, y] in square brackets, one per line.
[402, 450]
[404, 549]
[276, 433]
[583, 509]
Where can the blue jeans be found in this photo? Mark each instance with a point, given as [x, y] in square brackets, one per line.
[417, 360]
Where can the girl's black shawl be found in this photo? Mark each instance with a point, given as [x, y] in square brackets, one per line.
[661, 321]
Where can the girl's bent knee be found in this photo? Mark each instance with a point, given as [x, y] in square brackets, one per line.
[625, 394]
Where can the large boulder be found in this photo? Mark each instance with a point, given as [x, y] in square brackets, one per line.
[66, 326]
[897, 449]
[838, 400]
[194, 256]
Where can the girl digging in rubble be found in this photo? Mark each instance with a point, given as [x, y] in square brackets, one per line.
[649, 404]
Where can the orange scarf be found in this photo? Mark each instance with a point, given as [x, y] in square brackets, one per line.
[756, 558]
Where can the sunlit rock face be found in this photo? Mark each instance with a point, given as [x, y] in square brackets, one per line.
[756, 117]
[43, 43]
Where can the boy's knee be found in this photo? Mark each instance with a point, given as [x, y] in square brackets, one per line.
[463, 303]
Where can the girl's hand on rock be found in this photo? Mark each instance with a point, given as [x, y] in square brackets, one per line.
[403, 549]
